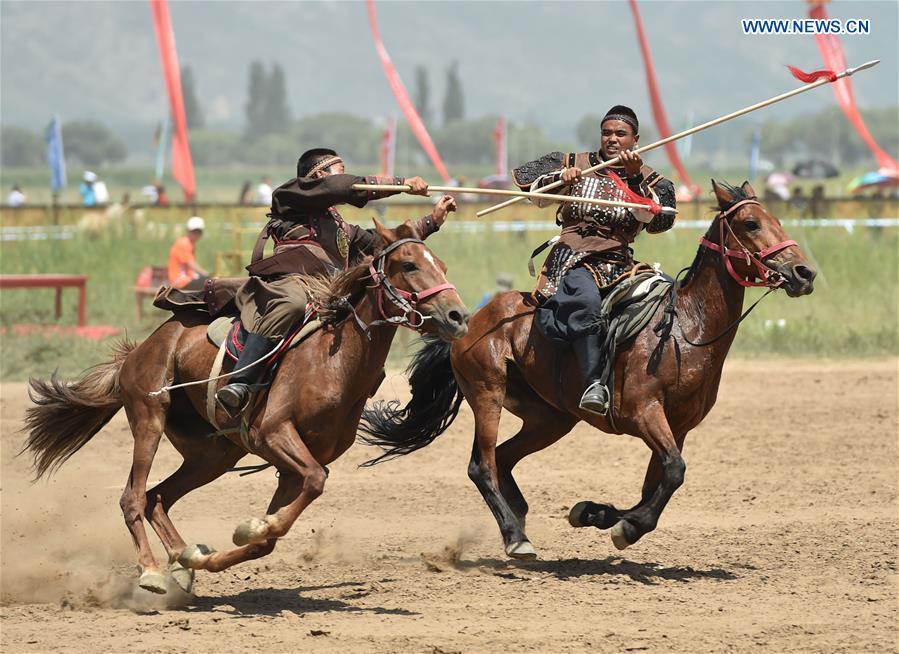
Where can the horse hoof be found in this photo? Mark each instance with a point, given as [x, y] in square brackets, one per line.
[576, 515]
[194, 556]
[153, 581]
[619, 540]
[521, 550]
[182, 576]
[250, 532]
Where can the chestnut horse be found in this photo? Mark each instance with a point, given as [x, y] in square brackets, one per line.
[664, 384]
[307, 419]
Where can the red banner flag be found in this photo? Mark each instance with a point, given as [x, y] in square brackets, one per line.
[182, 164]
[402, 96]
[499, 138]
[832, 54]
[388, 147]
[658, 111]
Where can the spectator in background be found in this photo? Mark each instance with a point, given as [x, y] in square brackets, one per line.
[16, 196]
[264, 192]
[504, 282]
[86, 189]
[162, 199]
[184, 272]
[244, 198]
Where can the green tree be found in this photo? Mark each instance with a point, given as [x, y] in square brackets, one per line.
[588, 131]
[215, 147]
[454, 102]
[276, 113]
[256, 101]
[422, 94]
[192, 109]
[91, 143]
[21, 147]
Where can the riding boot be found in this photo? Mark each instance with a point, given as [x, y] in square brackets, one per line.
[588, 351]
[234, 397]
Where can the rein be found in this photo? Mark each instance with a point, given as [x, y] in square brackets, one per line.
[769, 277]
[407, 302]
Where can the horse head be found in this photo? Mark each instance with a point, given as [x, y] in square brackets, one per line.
[754, 246]
[412, 285]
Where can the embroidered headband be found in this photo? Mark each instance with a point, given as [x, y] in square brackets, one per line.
[324, 164]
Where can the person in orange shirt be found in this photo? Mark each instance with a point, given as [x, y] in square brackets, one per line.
[184, 272]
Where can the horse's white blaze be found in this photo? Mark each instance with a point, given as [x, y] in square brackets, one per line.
[429, 257]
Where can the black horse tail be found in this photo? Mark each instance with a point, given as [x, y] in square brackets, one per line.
[66, 415]
[435, 402]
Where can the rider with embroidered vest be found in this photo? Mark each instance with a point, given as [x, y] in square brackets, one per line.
[311, 238]
[592, 253]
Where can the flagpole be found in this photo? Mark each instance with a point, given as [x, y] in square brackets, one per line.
[717, 121]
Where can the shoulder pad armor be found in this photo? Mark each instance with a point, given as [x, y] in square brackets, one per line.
[524, 175]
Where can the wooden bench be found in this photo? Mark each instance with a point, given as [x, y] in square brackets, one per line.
[148, 281]
[58, 282]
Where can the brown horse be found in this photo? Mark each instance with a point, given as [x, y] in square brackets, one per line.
[308, 418]
[664, 384]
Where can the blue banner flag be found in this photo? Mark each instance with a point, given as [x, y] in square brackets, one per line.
[55, 157]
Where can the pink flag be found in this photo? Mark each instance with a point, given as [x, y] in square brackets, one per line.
[388, 147]
[658, 111]
[832, 54]
[402, 97]
[182, 164]
[499, 138]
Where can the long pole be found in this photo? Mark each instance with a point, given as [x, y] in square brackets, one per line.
[517, 194]
[687, 132]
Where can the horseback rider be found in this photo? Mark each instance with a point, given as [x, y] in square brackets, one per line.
[592, 254]
[311, 238]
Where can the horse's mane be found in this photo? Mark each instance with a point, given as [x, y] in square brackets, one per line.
[737, 194]
[333, 295]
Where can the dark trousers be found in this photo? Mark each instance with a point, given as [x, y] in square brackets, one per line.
[573, 311]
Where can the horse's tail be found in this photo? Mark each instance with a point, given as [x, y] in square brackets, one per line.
[66, 415]
[435, 402]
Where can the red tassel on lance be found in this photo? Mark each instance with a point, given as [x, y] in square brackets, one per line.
[814, 76]
[630, 196]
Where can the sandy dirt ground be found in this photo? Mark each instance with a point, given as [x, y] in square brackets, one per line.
[783, 539]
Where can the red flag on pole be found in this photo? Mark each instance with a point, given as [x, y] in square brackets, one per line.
[832, 54]
[182, 164]
[658, 111]
[388, 147]
[402, 96]
[499, 138]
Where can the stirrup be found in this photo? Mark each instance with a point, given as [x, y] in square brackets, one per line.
[233, 399]
[595, 399]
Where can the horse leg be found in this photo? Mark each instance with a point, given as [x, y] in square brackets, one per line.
[542, 427]
[200, 467]
[664, 476]
[487, 405]
[301, 480]
[147, 419]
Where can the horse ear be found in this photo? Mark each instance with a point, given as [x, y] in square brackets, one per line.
[384, 232]
[748, 190]
[723, 196]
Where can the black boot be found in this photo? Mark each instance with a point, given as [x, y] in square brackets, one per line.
[588, 351]
[234, 397]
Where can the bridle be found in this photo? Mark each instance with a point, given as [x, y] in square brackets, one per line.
[407, 303]
[768, 276]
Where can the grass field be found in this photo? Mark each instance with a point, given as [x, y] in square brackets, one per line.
[852, 312]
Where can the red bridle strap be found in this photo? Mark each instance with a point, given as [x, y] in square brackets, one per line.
[768, 275]
[406, 301]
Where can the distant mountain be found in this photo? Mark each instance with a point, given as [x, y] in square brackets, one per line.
[547, 62]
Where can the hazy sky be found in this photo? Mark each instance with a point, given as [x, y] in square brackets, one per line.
[541, 61]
